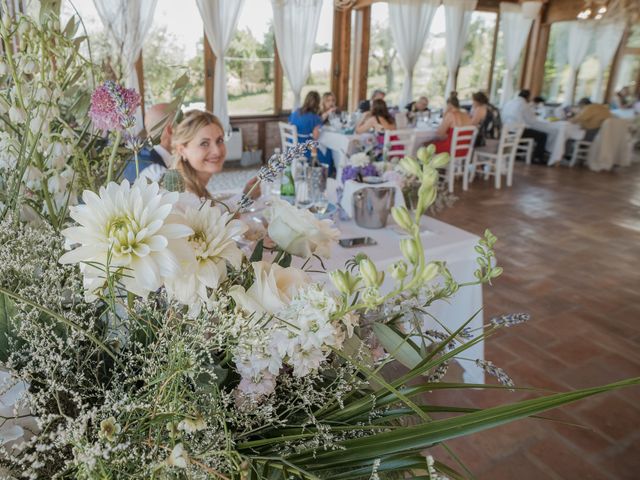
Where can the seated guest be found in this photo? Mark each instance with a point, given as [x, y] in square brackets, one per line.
[519, 111]
[327, 106]
[622, 99]
[418, 106]
[152, 163]
[453, 117]
[486, 118]
[200, 152]
[539, 106]
[379, 119]
[365, 105]
[590, 117]
[308, 121]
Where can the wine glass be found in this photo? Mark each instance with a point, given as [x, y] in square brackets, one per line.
[321, 203]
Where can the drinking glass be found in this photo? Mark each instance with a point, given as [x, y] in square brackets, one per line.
[321, 203]
[302, 180]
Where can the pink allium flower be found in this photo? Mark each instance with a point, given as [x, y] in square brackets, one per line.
[113, 106]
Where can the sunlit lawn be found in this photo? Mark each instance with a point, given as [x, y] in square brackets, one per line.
[263, 103]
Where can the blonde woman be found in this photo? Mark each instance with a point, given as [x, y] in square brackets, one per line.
[327, 106]
[200, 152]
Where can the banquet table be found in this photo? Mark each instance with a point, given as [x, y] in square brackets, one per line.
[342, 145]
[442, 242]
[557, 135]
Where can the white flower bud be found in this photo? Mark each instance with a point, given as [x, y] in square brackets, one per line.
[398, 270]
[402, 217]
[369, 273]
[411, 166]
[429, 272]
[4, 69]
[440, 160]
[35, 125]
[425, 153]
[409, 250]
[29, 68]
[17, 115]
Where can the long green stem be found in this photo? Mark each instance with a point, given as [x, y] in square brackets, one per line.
[116, 144]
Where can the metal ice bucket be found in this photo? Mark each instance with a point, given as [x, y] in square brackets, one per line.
[372, 205]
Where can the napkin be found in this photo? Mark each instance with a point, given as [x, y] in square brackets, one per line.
[351, 187]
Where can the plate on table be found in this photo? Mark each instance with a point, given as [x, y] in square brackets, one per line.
[331, 210]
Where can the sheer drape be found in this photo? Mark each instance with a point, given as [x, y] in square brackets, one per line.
[127, 23]
[608, 37]
[220, 18]
[295, 24]
[410, 21]
[515, 30]
[580, 34]
[457, 18]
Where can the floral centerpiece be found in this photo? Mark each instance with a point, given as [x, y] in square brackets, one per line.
[144, 344]
[358, 165]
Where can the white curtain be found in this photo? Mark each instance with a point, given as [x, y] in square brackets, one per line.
[608, 37]
[410, 22]
[220, 18]
[295, 23]
[580, 34]
[515, 30]
[457, 18]
[127, 23]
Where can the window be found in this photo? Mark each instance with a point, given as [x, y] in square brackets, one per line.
[320, 68]
[249, 61]
[556, 70]
[475, 62]
[174, 44]
[499, 70]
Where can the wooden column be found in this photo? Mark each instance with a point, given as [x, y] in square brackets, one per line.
[341, 56]
[532, 52]
[140, 73]
[615, 66]
[360, 65]
[209, 73]
[493, 55]
[537, 69]
[277, 81]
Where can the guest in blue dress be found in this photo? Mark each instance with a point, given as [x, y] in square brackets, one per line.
[308, 121]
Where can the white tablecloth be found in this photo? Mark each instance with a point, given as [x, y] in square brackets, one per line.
[557, 135]
[441, 242]
[343, 145]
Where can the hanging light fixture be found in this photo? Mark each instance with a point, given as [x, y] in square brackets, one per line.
[593, 10]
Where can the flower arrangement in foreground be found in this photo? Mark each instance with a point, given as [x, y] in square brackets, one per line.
[154, 349]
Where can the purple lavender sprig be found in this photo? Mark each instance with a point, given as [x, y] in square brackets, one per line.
[494, 371]
[510, 320]
[276, 164]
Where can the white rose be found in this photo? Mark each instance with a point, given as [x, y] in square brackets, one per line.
[272, 290]
[298, 232]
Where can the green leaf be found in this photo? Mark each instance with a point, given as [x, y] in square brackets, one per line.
[7, 311]
[418, 437]
[397, 345]
[256, 256]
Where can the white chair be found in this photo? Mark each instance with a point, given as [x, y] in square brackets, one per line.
[463, 140]
[399, 143]
[501, 161]
[580, 152]
[288, 135]
[525, 148]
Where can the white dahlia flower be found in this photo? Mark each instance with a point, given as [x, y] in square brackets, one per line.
[127, 227]
[205, 253]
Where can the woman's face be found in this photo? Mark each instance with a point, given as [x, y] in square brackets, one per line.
[329, 102]
[206, 151]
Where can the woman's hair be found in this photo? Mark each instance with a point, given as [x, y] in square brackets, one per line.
[311, 103]
[326, 95]
[480, 97]
[379, 109]
[453, 100]
[186, 131]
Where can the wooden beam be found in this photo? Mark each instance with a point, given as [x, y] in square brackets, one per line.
[277, 81]
[140, 74]
[493, 55]
[361, 56]
[209, 74]
[532, 53]
[341, 56]
[615, 66]
[537, 74]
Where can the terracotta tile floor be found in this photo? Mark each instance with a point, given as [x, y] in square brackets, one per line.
[569, 241]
